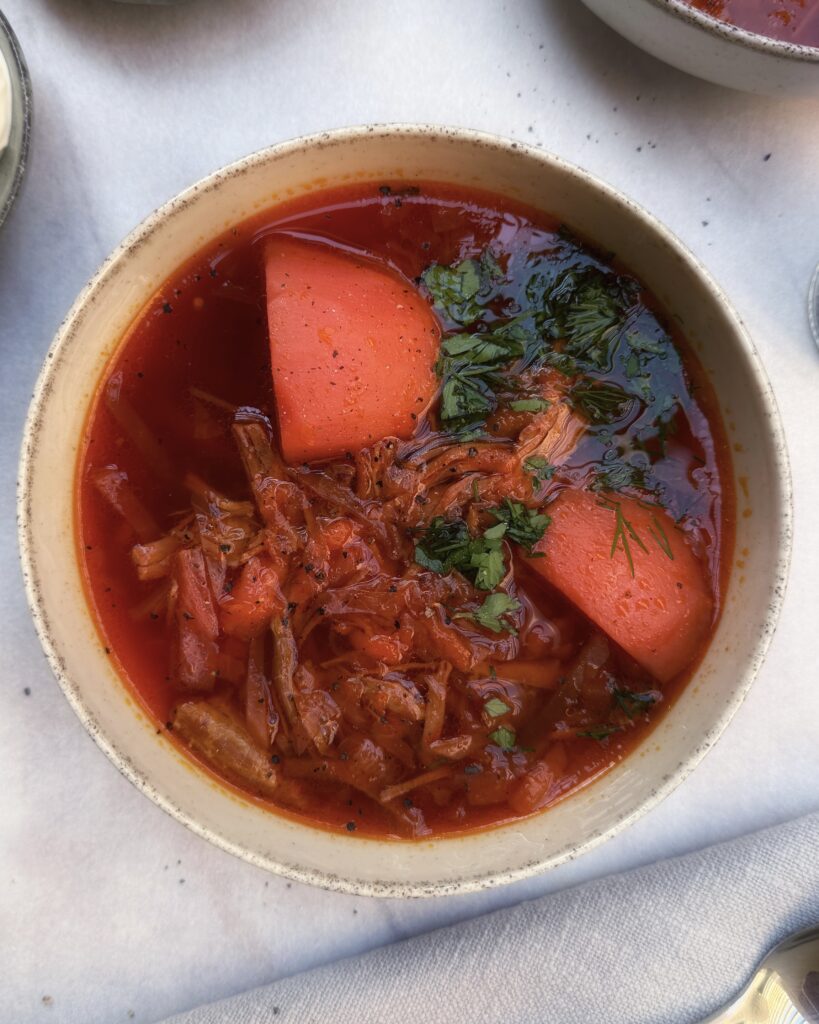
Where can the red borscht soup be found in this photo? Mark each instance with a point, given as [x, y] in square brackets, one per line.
[403, 510]
[794, 21]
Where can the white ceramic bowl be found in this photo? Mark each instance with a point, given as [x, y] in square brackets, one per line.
[15, 155]
[92, 332]
[703, 46]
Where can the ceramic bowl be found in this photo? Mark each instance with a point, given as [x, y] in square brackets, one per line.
[13, 157]
[91, 334]
[711, 49]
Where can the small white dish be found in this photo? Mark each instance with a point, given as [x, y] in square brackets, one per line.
[93, 330]
[15, 154]
[702, 45]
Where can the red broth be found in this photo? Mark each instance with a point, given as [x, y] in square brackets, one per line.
[794, 21]
[412, 709]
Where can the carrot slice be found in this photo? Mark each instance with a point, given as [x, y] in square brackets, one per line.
[352, 347]
[648, 591]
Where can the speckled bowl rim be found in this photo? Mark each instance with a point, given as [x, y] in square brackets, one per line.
[61, 347]
[735, 34]
[19, 73]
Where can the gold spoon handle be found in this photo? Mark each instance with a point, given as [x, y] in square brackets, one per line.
[785, 988]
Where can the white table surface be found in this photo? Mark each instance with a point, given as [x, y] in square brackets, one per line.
[110, 910]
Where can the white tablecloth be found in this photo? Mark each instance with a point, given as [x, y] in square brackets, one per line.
[110, 910]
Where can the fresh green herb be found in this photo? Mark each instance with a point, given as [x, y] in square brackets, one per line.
[602, 402]
[457, 291]
[492, 672]
[620, 474]
[470, 367]
[524, 525]
[504, 738]
[540, 469]
[599, 732]
[472, 364]
[625, 533]
[466, 397]
[486, 565]
[493, 612]
[664, 425]
[530, 405]
[655, 528]
[588, 308]
[480, 348]
[573, 313]
[561, 362]
[634, 704]
[643, 386]
[591, 322]
[495, 707]
[447, 545]
[640, 342]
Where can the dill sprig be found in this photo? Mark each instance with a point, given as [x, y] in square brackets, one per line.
[625, 534]
[602, 402]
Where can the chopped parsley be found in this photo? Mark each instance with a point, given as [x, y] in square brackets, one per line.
[459, 292]
[448, 544]
[621, 474]
[524, 525]
[598, 732]
[530, 405]
[634, 704]
[504, 737]
[600, 401]
[486, 560]
[493, 613]
[470, 367]
[593, 315]
[567, 309]
[496, 708]
[540, 469]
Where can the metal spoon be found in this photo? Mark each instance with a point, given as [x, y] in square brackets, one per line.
[785, 988]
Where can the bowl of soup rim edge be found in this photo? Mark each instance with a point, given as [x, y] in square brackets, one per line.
[702, 45]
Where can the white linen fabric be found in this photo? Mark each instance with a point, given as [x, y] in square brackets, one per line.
[665, 944]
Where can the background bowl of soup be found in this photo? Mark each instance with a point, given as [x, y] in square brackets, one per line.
[15, 117]
[769, 47]
[123, 724]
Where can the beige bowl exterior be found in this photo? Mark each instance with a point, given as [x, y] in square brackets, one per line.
[92, 332]
[687, 39]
